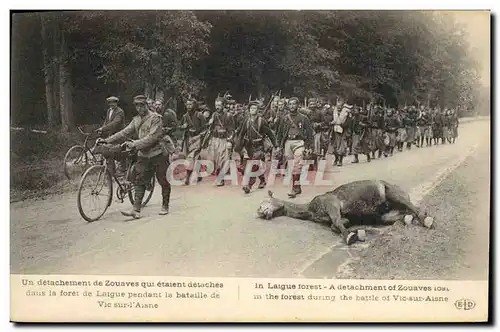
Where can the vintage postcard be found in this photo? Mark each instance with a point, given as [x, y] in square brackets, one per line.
[250, 166]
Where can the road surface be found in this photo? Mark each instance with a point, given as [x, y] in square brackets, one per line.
[215, 232]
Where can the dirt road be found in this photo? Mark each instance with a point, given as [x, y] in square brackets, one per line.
[215, 232]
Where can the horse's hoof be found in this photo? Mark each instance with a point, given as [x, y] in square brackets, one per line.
[361, 235]
[408, 219]
[429, 222]
[351, 238]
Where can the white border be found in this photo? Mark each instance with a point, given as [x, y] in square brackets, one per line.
[260, 4]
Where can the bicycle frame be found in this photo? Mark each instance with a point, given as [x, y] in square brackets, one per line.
[86, 147]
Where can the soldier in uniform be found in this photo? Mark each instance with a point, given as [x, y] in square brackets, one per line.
[193, 123]
[437, 129]
[410, 123]
[296, 138]
[338, 133]
[422, 123]
[446, 126]
[114, 122]
[392, 124]
[147, 128]
[378, 130]
[169, 125]
[454, 125]
[221, 130]
[361, 135]
[316, 116]
[401, 134]
[251, 136]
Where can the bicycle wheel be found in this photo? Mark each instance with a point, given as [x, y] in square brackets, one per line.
[75, 162]
[96, 184]
[147, 195]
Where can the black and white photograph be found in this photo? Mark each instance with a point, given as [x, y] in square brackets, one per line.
[306, 144]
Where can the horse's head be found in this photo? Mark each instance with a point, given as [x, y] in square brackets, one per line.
[271, 207]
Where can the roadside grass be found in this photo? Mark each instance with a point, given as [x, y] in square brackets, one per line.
[36, 164]
[414, 252]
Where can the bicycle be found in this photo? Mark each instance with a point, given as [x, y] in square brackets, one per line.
[80, 156]
[104, 183]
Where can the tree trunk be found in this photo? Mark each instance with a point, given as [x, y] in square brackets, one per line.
[65, 88]
[48, 75]
[55, 31]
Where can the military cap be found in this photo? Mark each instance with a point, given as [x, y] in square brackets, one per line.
[253, 103]
[139, 99]
[193, 100]
[293, 98]
[231, 101]
[112, 99]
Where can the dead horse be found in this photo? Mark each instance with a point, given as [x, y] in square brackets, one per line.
[365, 202]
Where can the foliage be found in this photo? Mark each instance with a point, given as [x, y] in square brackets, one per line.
[400, 57]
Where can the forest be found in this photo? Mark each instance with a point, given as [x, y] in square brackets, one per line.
[65, 64]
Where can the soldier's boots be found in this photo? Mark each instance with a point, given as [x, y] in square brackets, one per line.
[164, 211]
[339, 164]
[138, 196]
[336, 160]
[296, 189]
[165, 203]
[356, 159]
[246, 189]
[380, 154]
[368, 158]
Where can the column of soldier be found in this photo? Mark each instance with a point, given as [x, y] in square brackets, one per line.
[284, 129]
[287, 130]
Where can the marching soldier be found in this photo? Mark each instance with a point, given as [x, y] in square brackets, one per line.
[401, 134]
[437, 129]
[338, 131]
[295, 136]
[454, 125]
[221, 129]
[446, 120]
[378, 130]
[147, 127]
[251, 136]
[422, 123]
[410, 122]
[193, 123]
[360, 135]
[169, 125]
[392, 124]
[316, 116]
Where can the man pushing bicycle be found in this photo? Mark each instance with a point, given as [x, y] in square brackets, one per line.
[147, 126]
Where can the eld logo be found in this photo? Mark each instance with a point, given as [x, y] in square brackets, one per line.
[465, 304]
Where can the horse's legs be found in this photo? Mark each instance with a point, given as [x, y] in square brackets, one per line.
[397, 196]
[339, 223]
